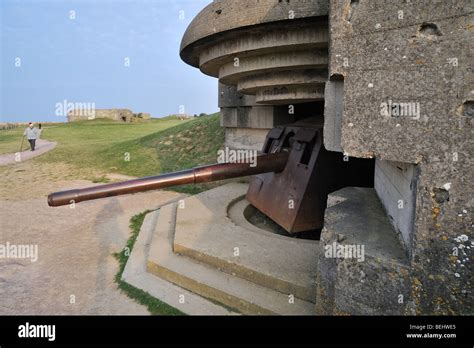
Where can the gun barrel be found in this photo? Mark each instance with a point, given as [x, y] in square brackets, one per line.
[265, 163]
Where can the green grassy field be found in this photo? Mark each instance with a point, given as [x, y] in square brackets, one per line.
[137, 149]
[88, 135]
[10, 140]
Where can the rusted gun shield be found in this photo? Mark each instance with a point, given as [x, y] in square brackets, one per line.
[296, 197]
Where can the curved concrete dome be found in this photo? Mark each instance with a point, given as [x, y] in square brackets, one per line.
[224, 15]
[275, 50]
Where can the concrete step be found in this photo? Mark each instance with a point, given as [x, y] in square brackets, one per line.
[211, 228]
[135, 274]
[229, 290]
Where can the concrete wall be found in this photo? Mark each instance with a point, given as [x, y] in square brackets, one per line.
[414, 52]
[246, 123]
[120, 115]
[245, 138]
[333, 108]
[396, 184]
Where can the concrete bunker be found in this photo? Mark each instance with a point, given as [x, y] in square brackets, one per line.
[288, 88]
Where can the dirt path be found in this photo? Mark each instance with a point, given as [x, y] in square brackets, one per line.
[42, 146]
[75, 270]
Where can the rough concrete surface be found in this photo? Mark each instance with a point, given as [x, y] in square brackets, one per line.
[225, 15]
[205, 232]
[370, 280]
[416, 53]
[135, 273]
[210, 282]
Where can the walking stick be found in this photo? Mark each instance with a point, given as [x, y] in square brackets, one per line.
[22, 140]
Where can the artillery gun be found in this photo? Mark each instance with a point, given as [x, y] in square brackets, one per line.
[292, 177]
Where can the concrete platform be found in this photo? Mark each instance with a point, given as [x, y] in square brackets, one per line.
[230, 290]
[211, 228]
[269, 276]
[373, 281]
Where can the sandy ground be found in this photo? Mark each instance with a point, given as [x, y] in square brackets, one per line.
[75, 246]
[41, 147]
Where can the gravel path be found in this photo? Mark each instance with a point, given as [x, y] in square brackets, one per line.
[42, 146]
[75, 270]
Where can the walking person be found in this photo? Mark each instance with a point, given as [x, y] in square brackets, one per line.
[31, 134]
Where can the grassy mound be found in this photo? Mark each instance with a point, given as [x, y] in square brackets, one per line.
[184, 146]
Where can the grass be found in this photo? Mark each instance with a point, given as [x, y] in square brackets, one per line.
[10, 140]
[176, 148]
[186, 145]
[100, 180]
[85, 144]
[96, 148]
[80, 143]
[154, 306]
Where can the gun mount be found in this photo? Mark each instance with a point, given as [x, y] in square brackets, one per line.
[294, 175]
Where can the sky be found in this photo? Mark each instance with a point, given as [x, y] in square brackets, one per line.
[108, 53]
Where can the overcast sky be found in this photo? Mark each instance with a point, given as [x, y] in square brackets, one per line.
[78, 51]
